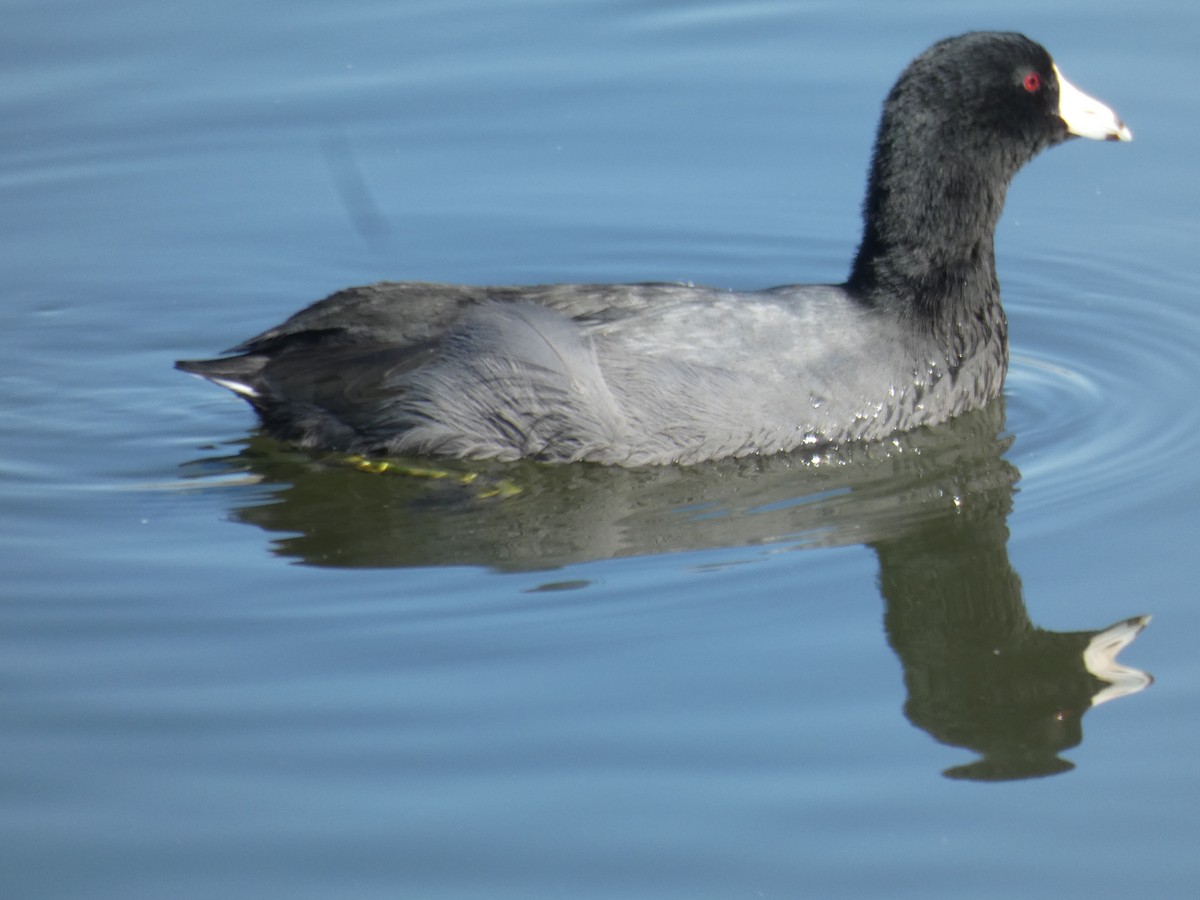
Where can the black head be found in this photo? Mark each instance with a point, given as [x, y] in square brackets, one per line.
[980, 92]
[961, 120]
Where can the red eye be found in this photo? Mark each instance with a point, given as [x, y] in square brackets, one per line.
[1033, 82]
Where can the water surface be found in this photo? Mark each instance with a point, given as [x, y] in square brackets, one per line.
[237, 670]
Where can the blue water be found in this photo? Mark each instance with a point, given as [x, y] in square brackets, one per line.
[232, 670]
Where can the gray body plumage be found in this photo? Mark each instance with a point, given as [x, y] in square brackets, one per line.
[625, 374]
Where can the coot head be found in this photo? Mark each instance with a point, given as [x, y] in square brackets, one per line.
[960, 121]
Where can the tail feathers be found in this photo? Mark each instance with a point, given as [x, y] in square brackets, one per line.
[239, 374]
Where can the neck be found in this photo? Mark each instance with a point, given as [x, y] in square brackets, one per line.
[927, 259]
[927, 248]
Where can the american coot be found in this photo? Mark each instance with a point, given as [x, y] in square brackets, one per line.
[672, 373]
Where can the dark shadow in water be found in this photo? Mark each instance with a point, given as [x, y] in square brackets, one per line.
[933, 505]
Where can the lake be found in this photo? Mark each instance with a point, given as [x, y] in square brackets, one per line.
[233, 669]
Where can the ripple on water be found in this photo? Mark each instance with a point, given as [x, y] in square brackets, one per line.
[1101, 386]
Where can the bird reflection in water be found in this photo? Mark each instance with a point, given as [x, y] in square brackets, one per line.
[932, 504]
